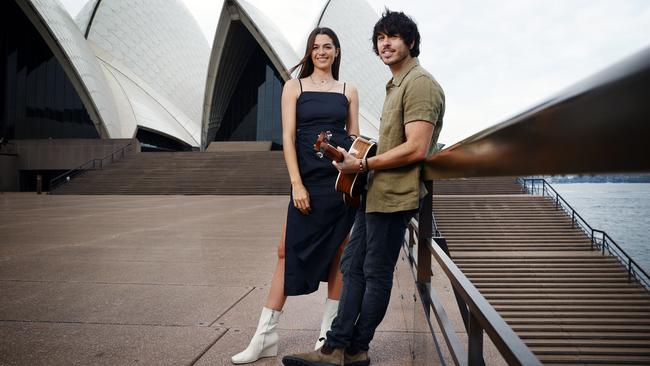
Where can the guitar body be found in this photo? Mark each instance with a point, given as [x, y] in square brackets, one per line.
[351, 185]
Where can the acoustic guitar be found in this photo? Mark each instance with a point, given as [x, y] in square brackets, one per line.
[351, 185]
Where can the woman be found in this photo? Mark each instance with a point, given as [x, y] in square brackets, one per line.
[318, 222]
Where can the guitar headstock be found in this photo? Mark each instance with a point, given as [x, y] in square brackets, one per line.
[322, 142]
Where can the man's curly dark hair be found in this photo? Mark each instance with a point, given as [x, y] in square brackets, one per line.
[395, 23]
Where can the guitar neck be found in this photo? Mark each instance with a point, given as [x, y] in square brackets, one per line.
[332, 153]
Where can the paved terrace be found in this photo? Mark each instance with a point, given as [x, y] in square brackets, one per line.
[160, 280]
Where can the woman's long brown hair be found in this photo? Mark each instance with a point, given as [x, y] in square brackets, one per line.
[306, 65]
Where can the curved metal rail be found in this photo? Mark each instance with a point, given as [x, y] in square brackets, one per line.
[599, 125]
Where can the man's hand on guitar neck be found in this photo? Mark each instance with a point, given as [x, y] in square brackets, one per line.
[350, 164]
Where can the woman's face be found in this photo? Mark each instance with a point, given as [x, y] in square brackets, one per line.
[323, 52]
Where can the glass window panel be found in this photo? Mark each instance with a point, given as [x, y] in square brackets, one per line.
[50, 87]
[42, 100]
[151, 141]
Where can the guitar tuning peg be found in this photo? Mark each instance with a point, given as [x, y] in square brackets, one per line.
[319, 154]
[329, 134]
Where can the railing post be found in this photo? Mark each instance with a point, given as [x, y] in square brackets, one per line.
[573, 218]
[592, 239]
[425, 220]
[39, 183]
[475, 342]
[629, 269]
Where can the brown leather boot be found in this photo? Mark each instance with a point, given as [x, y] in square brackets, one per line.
[325, 356]
[360, 358]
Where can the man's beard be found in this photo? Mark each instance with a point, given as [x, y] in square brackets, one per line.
[396, 61]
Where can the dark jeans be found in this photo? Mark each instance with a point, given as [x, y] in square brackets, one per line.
[368, 263]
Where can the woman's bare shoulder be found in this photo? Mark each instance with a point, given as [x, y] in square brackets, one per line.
[292, 87]
[351, 90]
[349, 87]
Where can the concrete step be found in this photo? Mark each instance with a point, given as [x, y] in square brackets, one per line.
[188, 173]
[568, 301]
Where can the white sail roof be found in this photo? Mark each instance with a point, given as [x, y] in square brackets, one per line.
[161, 47]
[78, 60]
[353, 22]
[267, 36]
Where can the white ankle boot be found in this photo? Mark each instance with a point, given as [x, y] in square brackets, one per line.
[331, 308]
[265, 341]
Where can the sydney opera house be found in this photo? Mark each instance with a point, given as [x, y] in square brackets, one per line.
[74, 89]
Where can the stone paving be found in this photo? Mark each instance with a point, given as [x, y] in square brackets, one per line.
[161, 280]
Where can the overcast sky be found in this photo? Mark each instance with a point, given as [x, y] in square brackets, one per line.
[493, 58]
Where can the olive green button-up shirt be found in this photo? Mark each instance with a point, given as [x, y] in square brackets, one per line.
[412, 95]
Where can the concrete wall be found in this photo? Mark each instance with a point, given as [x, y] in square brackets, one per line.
[220, 146]
[57, 154]
[63, 154]
[8, 172]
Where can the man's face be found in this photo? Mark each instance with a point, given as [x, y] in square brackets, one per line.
[392, 49]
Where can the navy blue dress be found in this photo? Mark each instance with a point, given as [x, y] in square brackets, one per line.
[311, 241]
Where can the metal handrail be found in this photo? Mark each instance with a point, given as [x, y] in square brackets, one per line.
[560, 202]
[432, 302]
[599, 125]
[66, 177]
[482, 316]
[605, 242]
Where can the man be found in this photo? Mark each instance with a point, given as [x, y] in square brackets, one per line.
[410, 124]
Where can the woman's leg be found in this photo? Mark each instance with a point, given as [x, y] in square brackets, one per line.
[265, 340]
[335, 278]
[276, 298]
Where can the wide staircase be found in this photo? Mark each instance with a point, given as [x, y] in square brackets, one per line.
[569, 302]
[195, 173]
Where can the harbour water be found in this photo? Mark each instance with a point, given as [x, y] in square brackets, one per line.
[620, 209]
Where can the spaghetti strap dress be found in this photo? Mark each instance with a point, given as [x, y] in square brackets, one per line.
[312, 240]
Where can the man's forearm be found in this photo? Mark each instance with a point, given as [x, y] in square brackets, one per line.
[401, 155]
[413, 150]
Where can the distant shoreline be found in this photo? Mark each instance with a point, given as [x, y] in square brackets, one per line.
[627, 178]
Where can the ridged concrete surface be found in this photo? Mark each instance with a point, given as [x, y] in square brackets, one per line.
[469, 186]
[189, 173]
[569, 303]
